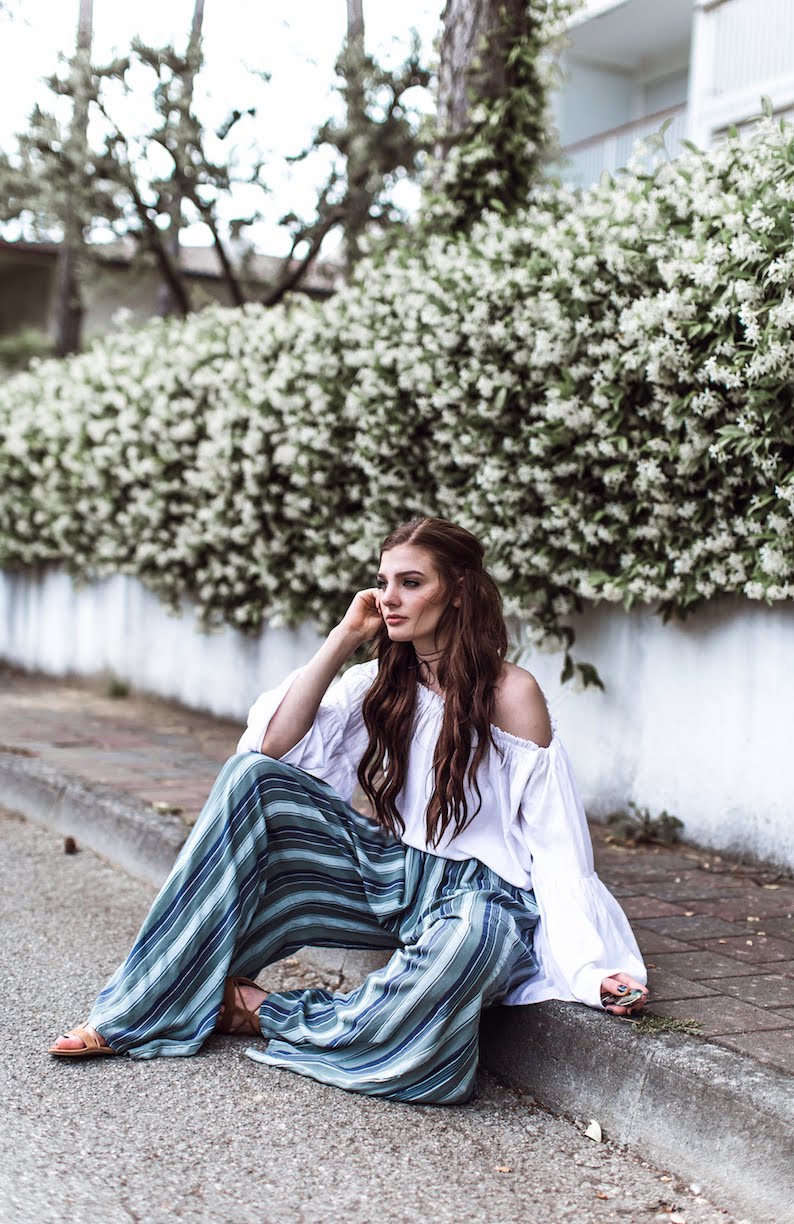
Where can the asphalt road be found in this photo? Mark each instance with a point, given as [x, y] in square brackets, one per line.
[220, 1138]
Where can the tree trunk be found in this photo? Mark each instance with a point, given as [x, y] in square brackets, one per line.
[168, 268]
[167, 301]
[227, 271]
[355, 20]
[155, 238]
[69, 308]
[358, 198]
[293, 272]
[475, 32]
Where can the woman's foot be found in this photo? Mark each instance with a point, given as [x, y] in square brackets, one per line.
[239, 1012]
[82, 1041]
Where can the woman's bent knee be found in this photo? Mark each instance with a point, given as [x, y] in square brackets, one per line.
[254, 760]
[250, 766]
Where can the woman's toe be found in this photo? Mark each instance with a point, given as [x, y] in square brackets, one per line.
[69, 1041]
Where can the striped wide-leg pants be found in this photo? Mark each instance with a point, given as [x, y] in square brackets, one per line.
[276, 861]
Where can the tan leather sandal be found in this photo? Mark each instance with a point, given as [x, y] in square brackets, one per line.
[235, 1013]
[92, 1045]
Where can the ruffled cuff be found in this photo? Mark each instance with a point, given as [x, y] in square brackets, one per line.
[583, 936]
[261, 712]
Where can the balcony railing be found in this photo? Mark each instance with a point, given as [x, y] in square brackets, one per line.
[586, 160]
[753, 43]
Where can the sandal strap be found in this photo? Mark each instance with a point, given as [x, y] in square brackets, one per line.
[88, 1036]
[235, 1012]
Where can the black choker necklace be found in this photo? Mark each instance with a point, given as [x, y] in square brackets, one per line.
[427, 674]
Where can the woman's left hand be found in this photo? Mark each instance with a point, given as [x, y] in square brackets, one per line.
[611, 985]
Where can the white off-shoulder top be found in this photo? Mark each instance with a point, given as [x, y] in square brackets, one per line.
[531, 829]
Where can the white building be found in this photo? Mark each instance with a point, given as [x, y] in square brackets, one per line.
[700, 66]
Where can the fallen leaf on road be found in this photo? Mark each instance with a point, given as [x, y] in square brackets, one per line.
[503, 1169]
[594, 1130]
[600, 1195]
[168, 809]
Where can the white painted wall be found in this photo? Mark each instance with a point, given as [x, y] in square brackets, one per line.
[594, 99]
[741, 50]
[660, 92]
[754, 42]
[116, 625]
[697, 716]
[738, 51]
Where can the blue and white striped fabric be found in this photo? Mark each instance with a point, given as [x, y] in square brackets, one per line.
[277, 861]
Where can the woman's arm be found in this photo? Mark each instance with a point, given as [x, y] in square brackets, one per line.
[521, 710]
[520, 707]
[297, 711]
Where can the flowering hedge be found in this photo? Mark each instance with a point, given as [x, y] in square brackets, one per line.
[602, 389]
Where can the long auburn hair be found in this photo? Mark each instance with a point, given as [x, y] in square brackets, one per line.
[468, 672]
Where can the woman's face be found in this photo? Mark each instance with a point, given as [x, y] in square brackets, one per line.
[412, 597]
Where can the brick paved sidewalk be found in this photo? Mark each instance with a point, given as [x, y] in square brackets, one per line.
[718, 935]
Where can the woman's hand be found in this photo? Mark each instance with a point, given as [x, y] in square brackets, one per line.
[622, 983]
[300, 703]
[363, 617]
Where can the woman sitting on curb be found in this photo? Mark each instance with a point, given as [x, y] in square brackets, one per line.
[475, 868]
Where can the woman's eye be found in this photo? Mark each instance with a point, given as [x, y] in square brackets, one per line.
[411, 582]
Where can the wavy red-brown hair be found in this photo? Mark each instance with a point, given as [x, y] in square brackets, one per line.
[468, 670]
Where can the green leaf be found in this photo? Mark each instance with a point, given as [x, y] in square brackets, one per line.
[590, 676]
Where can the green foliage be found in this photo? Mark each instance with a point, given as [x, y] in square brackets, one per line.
[649, 1026]
[377, 144]
[495, 161]
[601, 389]
[117, 688]
[18, 350]
[50, 176]
[200, 166]
[637, 827]
[91, 181]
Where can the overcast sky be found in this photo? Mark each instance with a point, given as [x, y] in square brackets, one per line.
[295, 40]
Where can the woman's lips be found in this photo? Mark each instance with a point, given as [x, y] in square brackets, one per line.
[395, 620]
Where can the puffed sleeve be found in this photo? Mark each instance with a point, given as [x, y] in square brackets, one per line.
[333, 745]
[583, 935]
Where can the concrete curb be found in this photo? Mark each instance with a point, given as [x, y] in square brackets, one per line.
[709, 1115]
[117, 826]
[712, 1116]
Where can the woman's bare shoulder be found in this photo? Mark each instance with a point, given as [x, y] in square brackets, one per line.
[520, 707]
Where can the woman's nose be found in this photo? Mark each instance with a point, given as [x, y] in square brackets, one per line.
[390, 597]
